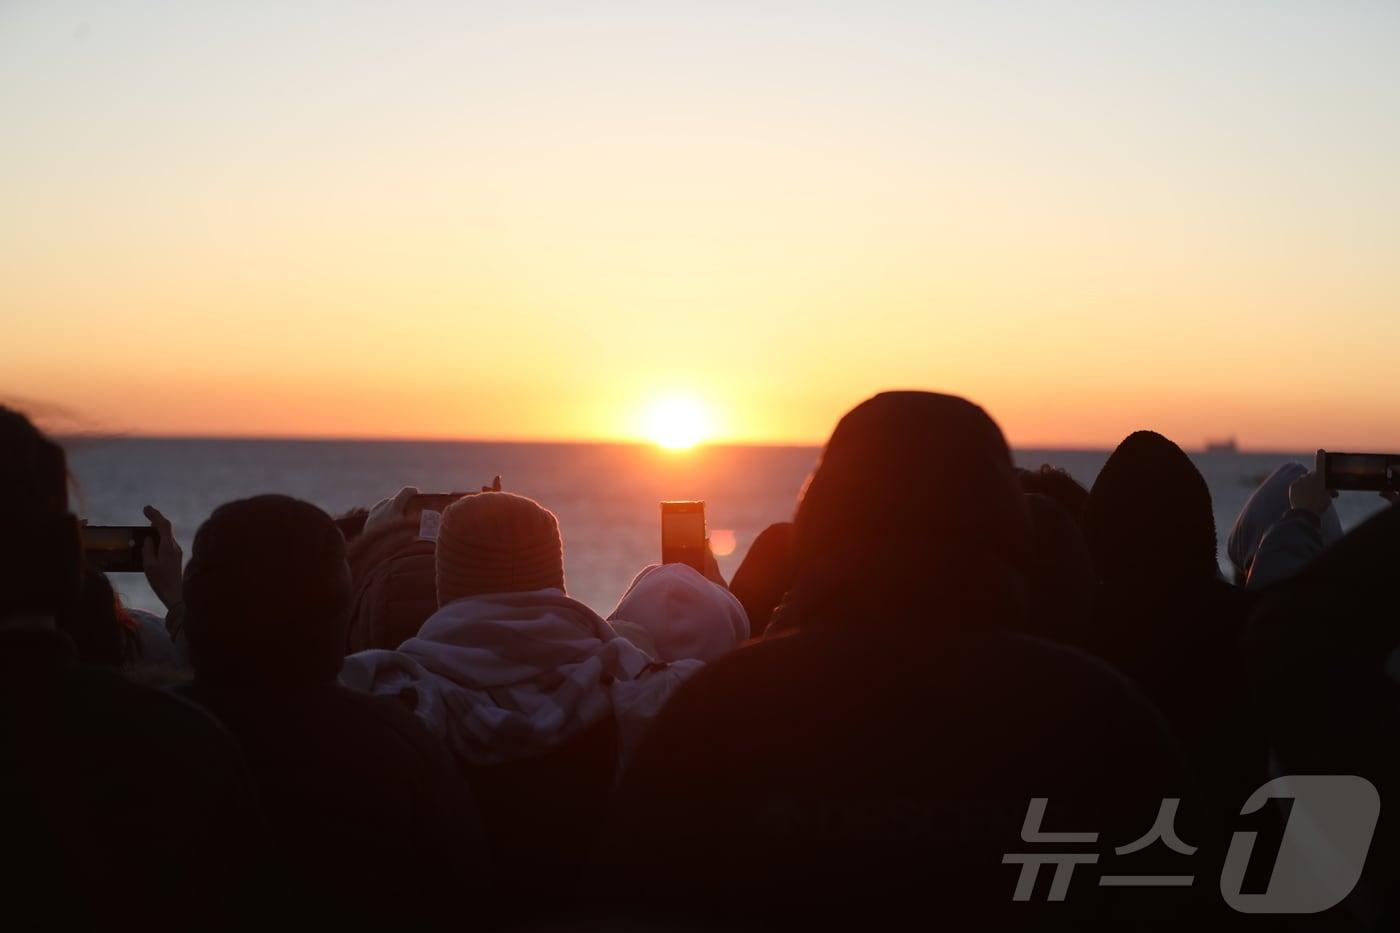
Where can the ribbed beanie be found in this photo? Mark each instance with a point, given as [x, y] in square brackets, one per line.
[497, 542]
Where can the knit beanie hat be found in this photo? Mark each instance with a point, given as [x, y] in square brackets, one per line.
[497, 542]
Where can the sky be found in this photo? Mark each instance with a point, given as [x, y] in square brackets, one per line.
[543, 220]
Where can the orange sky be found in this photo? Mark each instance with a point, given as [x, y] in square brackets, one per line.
[427, 220]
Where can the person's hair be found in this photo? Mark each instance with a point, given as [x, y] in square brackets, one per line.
[40, 551]
[267, 594]
[1056, 483]
[102, 632]
[352, 523]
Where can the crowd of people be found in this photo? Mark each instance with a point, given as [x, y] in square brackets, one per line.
[940, 664]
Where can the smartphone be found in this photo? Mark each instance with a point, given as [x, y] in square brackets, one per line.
[432, 502]
[1369, 472]
[115, 548]
[437, 501]
[683, 537]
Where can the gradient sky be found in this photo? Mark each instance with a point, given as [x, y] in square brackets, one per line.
[530, 220]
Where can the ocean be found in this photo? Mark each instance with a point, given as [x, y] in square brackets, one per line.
[605, 495]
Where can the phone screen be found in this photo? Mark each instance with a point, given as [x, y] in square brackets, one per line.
[683, 534]
[115, 548]
[1361, 471]
[431, 502]
[682, 529]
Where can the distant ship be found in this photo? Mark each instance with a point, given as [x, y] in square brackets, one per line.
[1227, 446]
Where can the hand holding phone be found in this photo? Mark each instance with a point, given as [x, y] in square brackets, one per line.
[163, 560]
[421, 502]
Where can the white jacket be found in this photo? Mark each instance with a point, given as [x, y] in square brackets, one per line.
[507, 676]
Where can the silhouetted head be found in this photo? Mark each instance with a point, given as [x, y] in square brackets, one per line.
[765, 575]
[497, 542]
[1057, 484]
[914, 506]
[267, 593]
[40, 552]
[1149, 518]
[99, 627]
[1062, 581]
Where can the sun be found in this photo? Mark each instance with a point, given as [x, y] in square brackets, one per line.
[677, 423]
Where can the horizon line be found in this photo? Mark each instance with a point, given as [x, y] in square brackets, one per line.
[101, 436]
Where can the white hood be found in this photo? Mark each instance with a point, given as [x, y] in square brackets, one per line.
[685, 615]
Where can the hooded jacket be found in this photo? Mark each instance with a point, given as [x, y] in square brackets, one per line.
[1163, 616]
[875, 765]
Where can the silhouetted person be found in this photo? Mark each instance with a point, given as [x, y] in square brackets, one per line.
[363, 799]
[526, 685]
[1164, 616]
[392, 572]
[1324, 658]
[102, 633]
[765, 576]
[1057, 484]
[1061, 582]
[1292, 513]
[124, 807]
[874, 766]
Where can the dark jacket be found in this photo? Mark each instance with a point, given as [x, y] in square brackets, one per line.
[1164, 617]
[542, 817]
[834, 775]
[1181, 645]
[395, 587]
[126, 807]
[1061, 583]
[1324, 659]
[363, 800]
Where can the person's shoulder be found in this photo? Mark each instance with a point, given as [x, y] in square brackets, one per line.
[754, 676]
[755, 660]
[385, 717]
[154, 720]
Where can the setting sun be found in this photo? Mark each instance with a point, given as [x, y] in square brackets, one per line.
[677, 423]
